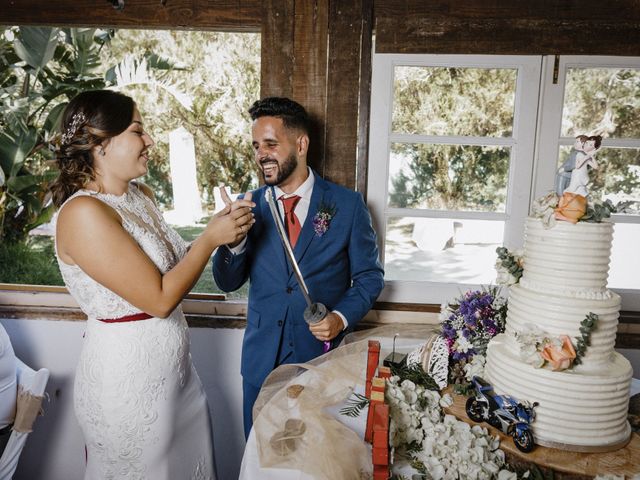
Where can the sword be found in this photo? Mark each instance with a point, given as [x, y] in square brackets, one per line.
[315, 311]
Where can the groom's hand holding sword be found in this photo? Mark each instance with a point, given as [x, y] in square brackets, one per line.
[322, 325]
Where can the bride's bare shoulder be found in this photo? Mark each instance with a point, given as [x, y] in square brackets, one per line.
[85, 210]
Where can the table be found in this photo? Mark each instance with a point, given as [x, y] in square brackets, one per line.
[622, 462]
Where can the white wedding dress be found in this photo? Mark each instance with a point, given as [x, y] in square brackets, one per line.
[137, 396]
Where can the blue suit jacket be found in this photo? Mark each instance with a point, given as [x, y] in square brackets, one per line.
[341, 270]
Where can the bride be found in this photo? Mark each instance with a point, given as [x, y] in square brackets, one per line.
[137, 396]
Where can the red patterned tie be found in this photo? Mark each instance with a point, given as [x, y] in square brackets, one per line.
[291, 220]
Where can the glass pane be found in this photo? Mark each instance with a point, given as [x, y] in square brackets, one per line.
[617, 177]
[205, 283]
[442, 250]
[448, 177]
[602, 101]
[454, 101]
[625, 262]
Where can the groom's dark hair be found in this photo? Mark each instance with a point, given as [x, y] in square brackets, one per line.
[292, 114]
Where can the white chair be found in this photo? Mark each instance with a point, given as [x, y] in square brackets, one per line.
[31, 385]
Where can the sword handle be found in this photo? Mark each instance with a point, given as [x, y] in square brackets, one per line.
[314, 313]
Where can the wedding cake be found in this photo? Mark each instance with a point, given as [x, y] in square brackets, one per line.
[583, 407]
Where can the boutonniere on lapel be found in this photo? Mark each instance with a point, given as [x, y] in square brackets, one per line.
[322, 219]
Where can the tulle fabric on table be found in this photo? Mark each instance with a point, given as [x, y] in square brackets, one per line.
[299, 433]
[323, 448]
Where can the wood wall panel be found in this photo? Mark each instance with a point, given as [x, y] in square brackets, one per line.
[310, 71]
[277, 60]
[364, 104]
[343, 83]
[238, 15]
[588, 27]
[294, 62]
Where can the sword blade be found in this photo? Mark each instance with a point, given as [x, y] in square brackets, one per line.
[287, 245]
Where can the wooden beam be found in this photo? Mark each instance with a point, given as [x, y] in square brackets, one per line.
[505, 27]
[294, 61]
[224, 15]
[364, 105]
[310, 71]
[343, 88]
[276, 67]
[312, 51]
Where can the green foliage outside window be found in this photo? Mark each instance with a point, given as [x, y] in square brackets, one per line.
[40, 68]
[475, 102]
[202, 81]
[450, 177]
[442, 101]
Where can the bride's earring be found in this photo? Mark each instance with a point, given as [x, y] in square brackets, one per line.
[102, 152]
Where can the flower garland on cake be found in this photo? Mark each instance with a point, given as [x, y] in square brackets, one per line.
[540, 349]
[546, 206]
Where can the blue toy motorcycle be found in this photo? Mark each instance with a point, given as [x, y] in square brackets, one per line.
[503, 412]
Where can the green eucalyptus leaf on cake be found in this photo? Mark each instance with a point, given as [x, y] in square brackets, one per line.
[598, 211]
[509, 266]
[587, 326]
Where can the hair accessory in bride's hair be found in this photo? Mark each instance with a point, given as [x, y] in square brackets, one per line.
[77, 120]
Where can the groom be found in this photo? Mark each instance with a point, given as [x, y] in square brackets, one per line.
[329, 228]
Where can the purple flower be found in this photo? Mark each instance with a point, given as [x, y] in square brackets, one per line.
[322, 219]
[477, 316]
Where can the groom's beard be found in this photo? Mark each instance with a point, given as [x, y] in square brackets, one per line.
[283, 171]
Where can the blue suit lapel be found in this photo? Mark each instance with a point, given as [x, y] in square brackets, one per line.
[274, 238]
[308, 233]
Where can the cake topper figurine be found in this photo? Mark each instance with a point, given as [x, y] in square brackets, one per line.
[572, 188]
[563, 175]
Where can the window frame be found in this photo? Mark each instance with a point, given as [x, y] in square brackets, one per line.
[520, 166]
[43, 298]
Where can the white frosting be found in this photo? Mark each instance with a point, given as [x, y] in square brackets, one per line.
[565, 278]
[574, 408]
[558, 315]
[572, 260]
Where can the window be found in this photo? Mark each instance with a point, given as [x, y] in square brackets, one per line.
[193, 89]
[459, 150]
[450, 167]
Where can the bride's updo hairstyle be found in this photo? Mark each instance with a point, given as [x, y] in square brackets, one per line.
[90, 118]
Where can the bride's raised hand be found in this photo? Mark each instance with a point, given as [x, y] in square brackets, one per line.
[232, 223]
[235, 205]
[227, 199]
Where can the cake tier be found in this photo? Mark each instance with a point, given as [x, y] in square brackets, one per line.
[570, 260]
[559, 315]
[576, 411]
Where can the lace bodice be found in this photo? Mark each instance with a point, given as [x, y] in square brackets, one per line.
[144, 222]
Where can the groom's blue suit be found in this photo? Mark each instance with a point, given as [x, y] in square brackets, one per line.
[340, 268]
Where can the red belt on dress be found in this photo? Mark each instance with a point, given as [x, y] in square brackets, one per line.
[127, 318]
